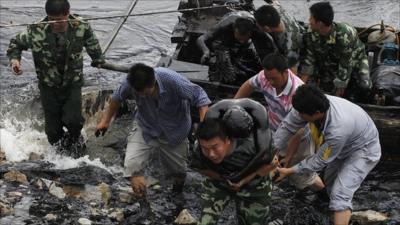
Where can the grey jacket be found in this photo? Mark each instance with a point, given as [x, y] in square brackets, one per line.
[346, 129]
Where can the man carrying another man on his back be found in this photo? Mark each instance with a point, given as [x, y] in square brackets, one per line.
[235, 153]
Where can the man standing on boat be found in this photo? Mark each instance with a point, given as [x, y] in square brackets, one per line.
[347, 142]
[278, 84]
[335, 57]
[286, 32]
[229, 51]
[235, 153]
[163, 98]
[57, 43]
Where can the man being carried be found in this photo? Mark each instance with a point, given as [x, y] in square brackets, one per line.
[231, 42]
[335, 58]
[163, 98]
[347, 142]
[234, 152]
[57, 53]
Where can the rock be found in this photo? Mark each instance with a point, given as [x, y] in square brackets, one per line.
[105, 191]
[57, 191]
[156, 187]
[4, 209]
[16, 176]
[184, 217]
[118, 215]
[50, 217]
[125, 197]
[2, 157]
[14, 194]
[369, 217]
[34, 156]
[84, 221]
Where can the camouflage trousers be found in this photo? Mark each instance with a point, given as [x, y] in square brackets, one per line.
[251, 203]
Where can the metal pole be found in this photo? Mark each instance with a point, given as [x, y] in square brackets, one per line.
[121, 22]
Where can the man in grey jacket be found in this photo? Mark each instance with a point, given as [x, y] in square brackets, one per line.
[347, 142]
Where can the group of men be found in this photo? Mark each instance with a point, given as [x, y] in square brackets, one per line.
[326, 53]
[239, 143]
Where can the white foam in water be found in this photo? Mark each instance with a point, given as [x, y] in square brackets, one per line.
[18, 140]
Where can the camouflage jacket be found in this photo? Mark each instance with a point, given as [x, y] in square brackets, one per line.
[290, 42]
[333, 58]
[40, 40]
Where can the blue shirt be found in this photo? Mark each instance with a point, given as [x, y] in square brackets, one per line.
[169, 114]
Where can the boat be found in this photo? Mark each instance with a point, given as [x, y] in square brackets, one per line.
[186, 60]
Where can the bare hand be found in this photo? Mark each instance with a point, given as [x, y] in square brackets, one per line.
[16, 67]
[204, 59]
[138, 184]
[101, 128]
[284, 172]
[236, 186]
[339, 92]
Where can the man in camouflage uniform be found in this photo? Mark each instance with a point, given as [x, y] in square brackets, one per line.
[57, 54]
[335, 58]
[234, 152]
[286, 32]
[229, 50]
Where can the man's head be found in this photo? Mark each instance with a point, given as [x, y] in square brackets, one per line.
[268, 19]
[243, 28]
[238, 122]
[141, 77]
[276, 70]
[58, 10]
[214, 140]
[321, 15]
[310, 102]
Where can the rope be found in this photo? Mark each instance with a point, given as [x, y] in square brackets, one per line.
[113, 17]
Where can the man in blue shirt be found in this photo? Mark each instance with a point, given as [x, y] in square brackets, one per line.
[163, 98]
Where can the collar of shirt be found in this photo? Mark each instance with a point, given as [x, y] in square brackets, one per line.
[161, 88]
[288, 87]
[331, 39]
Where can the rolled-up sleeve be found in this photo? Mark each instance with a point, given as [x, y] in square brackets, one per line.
[125, 91]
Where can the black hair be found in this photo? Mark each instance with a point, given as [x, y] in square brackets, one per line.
[211, 128]
[267, 15]
[309, 99]
[322, 11]
[244, 26]
[57, 7]
[275, 61]
[141, 76]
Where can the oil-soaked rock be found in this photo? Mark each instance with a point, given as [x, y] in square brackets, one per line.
[85, 175]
